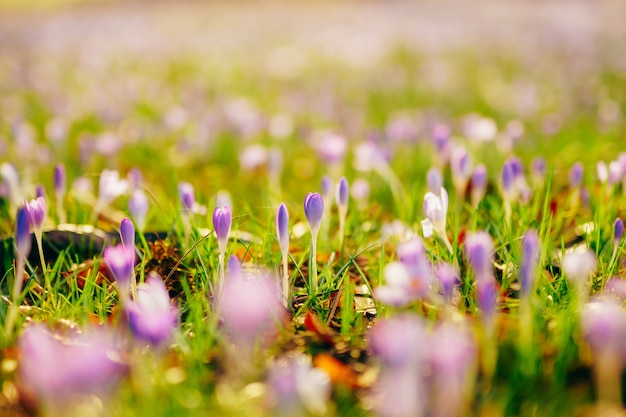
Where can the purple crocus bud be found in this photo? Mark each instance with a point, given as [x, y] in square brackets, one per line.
[452, 355]
[135, 178]
[39, 191]
[138, 207]
[479, 251]
[187, 197]
[398, 343]
[59, 372]
[127, 233]
[618, 230]
[250, 309]
[448, 277]
[508, 182]
[342, 192]
[538, 169]
[326, 187]
[434, 180]
[151, 316]
[60, 180]
[487, 297]
[576, 175]
[479, 184]
[314, 210]
[530, 259]
[23, 240]
[36, 210]
[121, 262]
[461, 169]
[222, 220]
[282, 228]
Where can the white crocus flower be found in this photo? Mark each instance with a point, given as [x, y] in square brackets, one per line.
[436, 209]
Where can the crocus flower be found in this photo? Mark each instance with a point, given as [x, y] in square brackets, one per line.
[398, 343]
[60, 372]
[314, 210]
[250, 309]
[448, 278]
[604, 327]
[436, 210]
[36, 210]
[297, 388]
[151, 317]
[282, 231]
[127, 233]
[135, 179]
[222, 220]
[618, 230]
[479, 251]
[576, 175]
[138, 207]
[360, 192]
[39, 191]
[530, 259]
[452, 355]
[121, 262]
[60, 185]
[461, 168]
[538, 171]
[342, 193]
[578, 267]
[187, 197]
[23, 242]
[434, 180]
[479, 184]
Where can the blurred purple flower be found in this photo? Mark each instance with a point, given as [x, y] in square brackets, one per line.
[604, 328]
[461, 168]
[452, 354]
[448, 277]
[61, 371]
[326, 187]
[39, 191]
[342, 192]
[330, 147]
[250, 308]
[138, 207]
[187, 197]
[487, 297]
[121, 262]
[23, 239]
[479, 184]
[479, 251]
[434, 180]
[60, 180]
[576, 175]
[36, 210]
[618, 230]
[151, 317]
[578, 267]
[297, 389]
[530, 260]
[538, 170]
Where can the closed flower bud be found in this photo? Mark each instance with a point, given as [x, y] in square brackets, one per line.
[282, 227]
[314, 210]
[222, 219]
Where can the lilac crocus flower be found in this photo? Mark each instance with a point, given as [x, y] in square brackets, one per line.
[314, 211]
[250, 309]
[434, 180]
[538, 171]
[618, 230]
[452, 355]
[461, 168]
[60, 186]
[121, 262]
[23, 242]
[282, 231]
[36, 210]
[39, 191]
[187, 197]
[298, 389]
[507, 180]
[398, 343]
[222, 220]
[530, 259]
[342, 192]
[448, 278]
[138, 207]
[576, 175]
[604, 328]
[151, 317]
[479, 251]
[127, 233]
[479, 184]
[60, 372]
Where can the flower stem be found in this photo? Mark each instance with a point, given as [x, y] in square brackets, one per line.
[17, 289]
[44, 268]
[313, 262]
[286, 292]
[222, 277]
